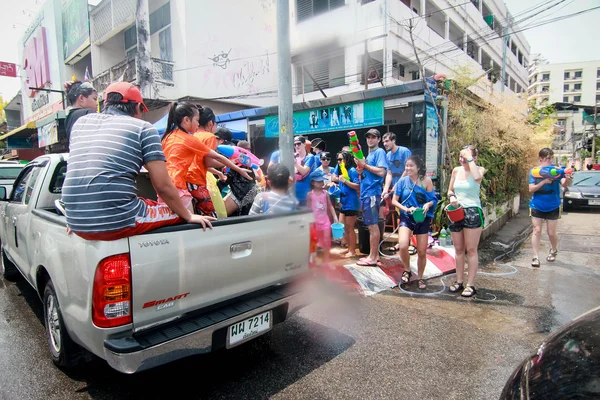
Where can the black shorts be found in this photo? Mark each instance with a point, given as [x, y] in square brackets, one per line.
[548, 215]
[350, 213]
[473, 220]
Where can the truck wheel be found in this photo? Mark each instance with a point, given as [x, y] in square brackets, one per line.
[64, 352]
[9, 270]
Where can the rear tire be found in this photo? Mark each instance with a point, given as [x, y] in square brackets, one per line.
[64, 352]
[9, 270]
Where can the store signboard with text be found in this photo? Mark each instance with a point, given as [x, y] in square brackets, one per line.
[48, 134]
[431, 141]
[339, 117]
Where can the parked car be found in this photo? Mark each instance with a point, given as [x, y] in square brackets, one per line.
[146, 300]
[9, 170]
[566, 365]
[584, 191]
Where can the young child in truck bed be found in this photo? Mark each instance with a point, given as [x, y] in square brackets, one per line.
[278, 200]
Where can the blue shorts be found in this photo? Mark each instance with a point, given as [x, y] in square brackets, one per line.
[420, 228]
[370, 210]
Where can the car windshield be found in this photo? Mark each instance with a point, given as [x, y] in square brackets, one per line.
[586, 179]
[10, 172]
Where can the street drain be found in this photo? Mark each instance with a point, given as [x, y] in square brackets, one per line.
[578, 244]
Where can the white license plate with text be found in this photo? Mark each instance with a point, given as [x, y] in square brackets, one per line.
[249, 328]
[594, 202]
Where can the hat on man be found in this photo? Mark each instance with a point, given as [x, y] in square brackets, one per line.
[317, 176]
[373, 132]
[130, 93]
[318, 143]
[299, 139]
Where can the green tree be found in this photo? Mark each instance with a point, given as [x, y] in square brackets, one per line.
[2, 105]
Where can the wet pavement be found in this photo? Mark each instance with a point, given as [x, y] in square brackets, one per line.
[392, 345]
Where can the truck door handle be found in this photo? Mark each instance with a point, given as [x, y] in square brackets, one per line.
[13, 220]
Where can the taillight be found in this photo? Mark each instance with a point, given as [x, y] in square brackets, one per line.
[111, 298]
[312, 259]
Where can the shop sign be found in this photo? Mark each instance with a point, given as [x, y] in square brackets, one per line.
[48, 134]
[341, 117]
[432, 85]
[36, 63]
[75, 26]
[431, 141]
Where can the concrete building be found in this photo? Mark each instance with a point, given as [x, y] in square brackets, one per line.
[577, 82]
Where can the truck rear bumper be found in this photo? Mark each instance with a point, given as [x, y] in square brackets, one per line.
[199, 334]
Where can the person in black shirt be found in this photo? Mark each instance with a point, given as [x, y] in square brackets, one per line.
[84, 100]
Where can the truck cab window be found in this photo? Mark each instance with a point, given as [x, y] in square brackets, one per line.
[20, 186]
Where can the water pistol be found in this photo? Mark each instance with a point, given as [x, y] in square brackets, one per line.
[354, 146]
[344, 171]
[550, 171]
[240, 156]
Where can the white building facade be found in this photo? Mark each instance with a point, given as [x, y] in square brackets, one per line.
[577, 83]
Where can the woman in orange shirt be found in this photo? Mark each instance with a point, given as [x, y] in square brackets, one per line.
[181, 148]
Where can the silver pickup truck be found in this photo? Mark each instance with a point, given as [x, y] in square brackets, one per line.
[150, 299]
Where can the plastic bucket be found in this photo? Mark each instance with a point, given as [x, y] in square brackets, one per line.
[418, 215]
[337, 230]
[334, 191]
[455, 214]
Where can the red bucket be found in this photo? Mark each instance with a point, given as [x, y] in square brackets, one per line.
[455, 214]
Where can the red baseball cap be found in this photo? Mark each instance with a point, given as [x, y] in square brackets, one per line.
[129, 91]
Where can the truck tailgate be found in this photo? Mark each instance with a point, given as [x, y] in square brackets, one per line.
[178, 271]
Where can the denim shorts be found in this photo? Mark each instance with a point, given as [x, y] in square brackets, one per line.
[370, 209]
[473, 220]
[419, 228]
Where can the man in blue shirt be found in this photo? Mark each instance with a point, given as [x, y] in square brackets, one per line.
[396, 157]
[372, 170]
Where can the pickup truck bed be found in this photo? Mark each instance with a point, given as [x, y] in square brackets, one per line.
[181, 291]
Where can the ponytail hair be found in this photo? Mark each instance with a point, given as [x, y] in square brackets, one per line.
[177, 113]
[420, 165]
[206, 115]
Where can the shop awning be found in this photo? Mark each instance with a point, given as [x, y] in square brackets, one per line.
[23, 131]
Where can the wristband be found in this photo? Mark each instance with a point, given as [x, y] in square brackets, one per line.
[452, 195]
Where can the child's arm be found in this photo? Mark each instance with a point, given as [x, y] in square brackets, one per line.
[309, 200]
[331, 209]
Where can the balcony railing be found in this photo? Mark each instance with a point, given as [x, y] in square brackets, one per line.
[126, 71]
[110, 17]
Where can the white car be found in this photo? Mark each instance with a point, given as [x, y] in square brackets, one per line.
[9, 170]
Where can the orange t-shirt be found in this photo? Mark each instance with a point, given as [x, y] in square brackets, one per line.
[197, 172]
[181, 149]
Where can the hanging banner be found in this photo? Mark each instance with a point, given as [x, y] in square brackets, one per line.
[432, 85]
[75, 26]
[8, 69]
[339, 117]
[431, 141]
[48, 134]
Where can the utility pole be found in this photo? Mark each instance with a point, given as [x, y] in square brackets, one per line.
[143, 65]
[573, 139]
[284, 69]
[506, 39]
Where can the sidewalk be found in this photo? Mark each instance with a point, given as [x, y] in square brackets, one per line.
[368, 281]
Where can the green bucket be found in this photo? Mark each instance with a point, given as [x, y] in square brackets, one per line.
[418, 215]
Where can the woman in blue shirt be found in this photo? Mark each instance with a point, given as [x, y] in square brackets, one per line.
[413, 191]
[349, 198]
[545, 205]
[305, 165]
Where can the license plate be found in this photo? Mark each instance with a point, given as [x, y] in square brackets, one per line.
[594, 202]
[247, 329]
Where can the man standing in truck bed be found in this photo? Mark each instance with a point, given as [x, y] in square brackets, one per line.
[107, 152]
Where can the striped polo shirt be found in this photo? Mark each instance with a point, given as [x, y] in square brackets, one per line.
[107, 152]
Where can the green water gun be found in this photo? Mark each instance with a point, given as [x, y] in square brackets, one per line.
[355, 146]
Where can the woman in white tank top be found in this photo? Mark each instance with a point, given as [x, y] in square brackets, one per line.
[464, 189]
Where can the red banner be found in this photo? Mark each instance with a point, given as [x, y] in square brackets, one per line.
[8, 69]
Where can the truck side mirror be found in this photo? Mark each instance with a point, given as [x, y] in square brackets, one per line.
[3, 193]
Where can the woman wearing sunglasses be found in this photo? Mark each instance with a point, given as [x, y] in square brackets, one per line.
[464, 189]
[305, 165]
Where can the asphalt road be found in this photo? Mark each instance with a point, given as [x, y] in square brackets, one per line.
[392, 345]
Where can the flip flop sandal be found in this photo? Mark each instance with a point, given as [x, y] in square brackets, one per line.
[469, 291]
[405, 278]
[366, 264]
[456, 287]
[422, 284]
[412, 250]
[393, 249]
[535, 262]
[552, 256]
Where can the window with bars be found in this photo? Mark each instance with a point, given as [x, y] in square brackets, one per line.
[577, 86]
[578, 74]
[306, 9]
[160, 21]
[567, 75]
[565, 100]
[565, 88]
[326, 74]
[576, 99]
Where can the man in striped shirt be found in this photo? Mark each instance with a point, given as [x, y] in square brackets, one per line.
[107, 151]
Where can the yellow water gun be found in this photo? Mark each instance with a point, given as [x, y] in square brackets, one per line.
[344, 171]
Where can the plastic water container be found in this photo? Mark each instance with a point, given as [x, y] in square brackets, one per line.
[443, 238]
[418, 215]
[337, 230]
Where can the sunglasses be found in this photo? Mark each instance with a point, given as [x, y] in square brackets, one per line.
[340, 159]
[297, 144]
[325, 159]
